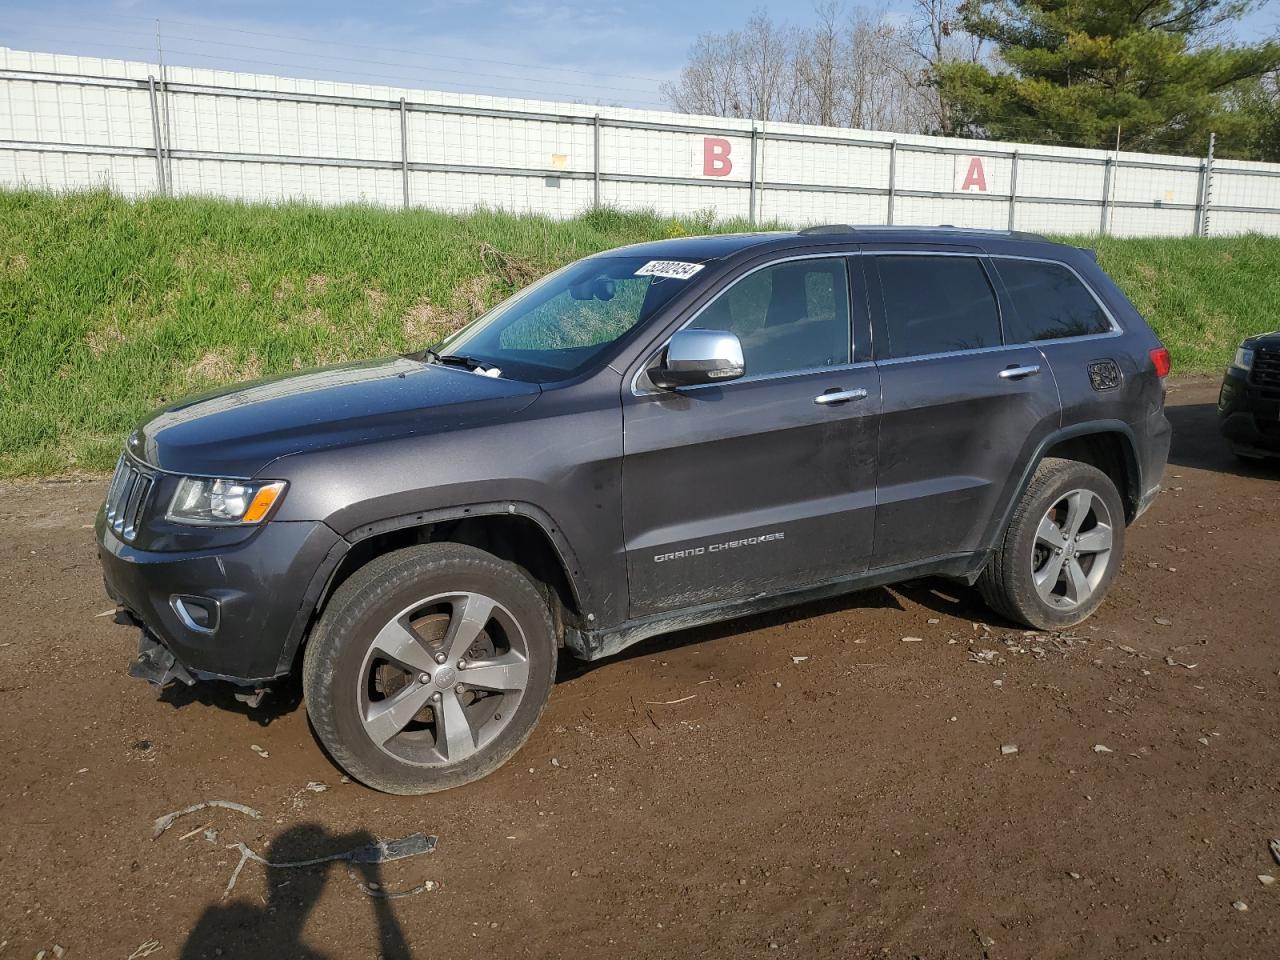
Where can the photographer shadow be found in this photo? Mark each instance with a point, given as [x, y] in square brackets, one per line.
[242, 929]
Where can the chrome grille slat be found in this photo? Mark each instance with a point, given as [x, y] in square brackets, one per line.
[137, 500]
[113, 493]
[127, 498]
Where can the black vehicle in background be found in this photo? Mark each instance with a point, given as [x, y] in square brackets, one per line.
[1249, 402]
[652, 438]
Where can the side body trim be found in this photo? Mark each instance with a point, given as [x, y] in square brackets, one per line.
[596, 644]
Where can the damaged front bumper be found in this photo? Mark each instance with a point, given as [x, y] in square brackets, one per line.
[155, 663]
[235, 613]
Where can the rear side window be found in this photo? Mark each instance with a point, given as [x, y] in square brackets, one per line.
[937, 305]
[792, 316]
[1050, 302]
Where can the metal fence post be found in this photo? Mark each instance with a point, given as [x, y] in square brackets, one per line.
[760, 176]
[1200, 167]
[164, 104]
[893, 172]
[1106, 197]
[595, 164]
[1013, 189]
[751, 203]
[155, 136]
[404, 154]
[1208, 188]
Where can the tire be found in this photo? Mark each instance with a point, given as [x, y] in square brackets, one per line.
[1020, 580]
[388, 709]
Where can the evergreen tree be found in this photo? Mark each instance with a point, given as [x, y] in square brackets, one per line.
[1077, 71]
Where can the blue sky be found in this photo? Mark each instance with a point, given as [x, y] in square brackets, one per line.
[617, 53]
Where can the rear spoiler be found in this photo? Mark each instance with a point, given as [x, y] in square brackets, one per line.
[1089, 252]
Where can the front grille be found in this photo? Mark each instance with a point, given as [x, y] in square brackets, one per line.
[1266, 368]
[127, 498]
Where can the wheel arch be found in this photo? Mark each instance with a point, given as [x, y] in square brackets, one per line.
[1112, 452]
[521, 533]
[1108, 445]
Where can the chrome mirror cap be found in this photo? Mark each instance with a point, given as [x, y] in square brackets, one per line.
[695, 357]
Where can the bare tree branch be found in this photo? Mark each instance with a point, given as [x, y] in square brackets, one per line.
[849, 68]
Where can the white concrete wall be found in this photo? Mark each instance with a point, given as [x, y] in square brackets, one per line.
[65, 135]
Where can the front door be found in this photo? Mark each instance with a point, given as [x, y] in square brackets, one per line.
[757, 485]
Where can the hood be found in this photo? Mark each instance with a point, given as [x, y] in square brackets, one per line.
[1269, 340]
[238, 430]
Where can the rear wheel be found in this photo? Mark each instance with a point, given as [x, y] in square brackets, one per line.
[1063, 546]
[429, 668]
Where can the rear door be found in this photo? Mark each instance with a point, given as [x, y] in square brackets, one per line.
[961, 410]
[1056, 312]
[757, 485]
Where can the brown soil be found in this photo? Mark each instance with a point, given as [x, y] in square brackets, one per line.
[853, 804]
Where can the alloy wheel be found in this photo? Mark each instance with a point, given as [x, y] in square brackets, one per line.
[443, 678]
[1072, 549]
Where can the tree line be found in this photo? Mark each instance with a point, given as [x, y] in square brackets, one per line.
[1147, 75]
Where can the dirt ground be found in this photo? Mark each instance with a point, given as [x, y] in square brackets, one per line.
[855, 803]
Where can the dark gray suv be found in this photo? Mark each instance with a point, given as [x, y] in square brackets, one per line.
[659, 436]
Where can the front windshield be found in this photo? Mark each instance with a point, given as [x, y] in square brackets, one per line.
[556, 327]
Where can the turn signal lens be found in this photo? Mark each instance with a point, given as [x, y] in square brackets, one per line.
[261, 503]
[1160, 358]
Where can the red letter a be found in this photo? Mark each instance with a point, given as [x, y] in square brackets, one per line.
[975, 177]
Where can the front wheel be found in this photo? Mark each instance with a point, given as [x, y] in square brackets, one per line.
[1063, 546]
[430, 668]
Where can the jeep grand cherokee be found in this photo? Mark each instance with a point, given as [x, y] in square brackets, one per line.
[655, 437]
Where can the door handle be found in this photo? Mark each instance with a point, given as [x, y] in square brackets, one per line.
[840, 396]
[1019, 373]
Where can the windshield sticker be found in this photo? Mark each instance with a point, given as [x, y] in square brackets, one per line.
[673, 269]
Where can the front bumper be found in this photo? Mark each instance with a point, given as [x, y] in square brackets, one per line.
[1248, 416]
[262, 590]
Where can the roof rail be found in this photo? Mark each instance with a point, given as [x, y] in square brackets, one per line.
[827, 228]
[841, 228]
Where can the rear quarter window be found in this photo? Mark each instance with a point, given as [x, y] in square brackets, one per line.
[1049, 302]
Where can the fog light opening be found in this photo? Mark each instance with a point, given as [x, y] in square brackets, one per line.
[196, 613]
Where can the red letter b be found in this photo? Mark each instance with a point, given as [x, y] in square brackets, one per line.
[715, 157]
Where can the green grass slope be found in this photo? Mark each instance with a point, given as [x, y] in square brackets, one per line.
[110, 307]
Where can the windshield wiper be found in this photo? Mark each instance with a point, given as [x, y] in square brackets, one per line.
[484, 368]
[452, 359]
[459, 360]
[474, 364]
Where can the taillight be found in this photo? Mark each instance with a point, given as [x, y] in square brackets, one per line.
[1160, 358]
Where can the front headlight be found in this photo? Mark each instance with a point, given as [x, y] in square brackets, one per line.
[1244, 359]
[208, 501]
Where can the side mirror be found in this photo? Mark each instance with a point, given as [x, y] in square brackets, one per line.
[696, 357]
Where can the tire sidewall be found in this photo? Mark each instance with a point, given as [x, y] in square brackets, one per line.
[337, 654]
